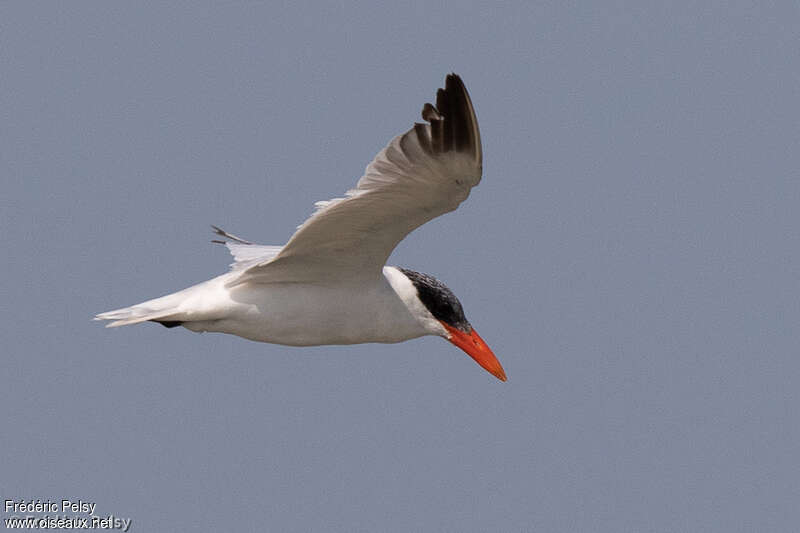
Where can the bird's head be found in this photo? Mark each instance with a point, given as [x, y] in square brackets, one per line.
[441, 314]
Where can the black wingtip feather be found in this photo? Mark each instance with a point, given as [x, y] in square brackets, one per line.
[453, 122]
[429, 113]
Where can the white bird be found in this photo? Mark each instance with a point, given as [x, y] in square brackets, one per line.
[329, 283]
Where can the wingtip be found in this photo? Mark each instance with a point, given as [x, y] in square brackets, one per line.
[229, 236]
[453, 78]
[453, 124]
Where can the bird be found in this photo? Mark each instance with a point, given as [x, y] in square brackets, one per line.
[329, 284]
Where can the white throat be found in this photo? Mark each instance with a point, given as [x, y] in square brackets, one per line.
[407, 292]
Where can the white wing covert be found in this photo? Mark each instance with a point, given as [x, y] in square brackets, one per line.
[424, 173]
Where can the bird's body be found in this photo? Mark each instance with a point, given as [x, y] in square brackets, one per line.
[300, 314]
[329, 284]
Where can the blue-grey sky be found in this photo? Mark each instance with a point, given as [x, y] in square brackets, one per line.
[631, 255]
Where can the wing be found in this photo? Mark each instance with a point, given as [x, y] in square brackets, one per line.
[426, 172]
[245, 253]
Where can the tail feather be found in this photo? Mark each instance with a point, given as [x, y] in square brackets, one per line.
[204, 301]
[169, 308]
[137, 314]
[198, 302]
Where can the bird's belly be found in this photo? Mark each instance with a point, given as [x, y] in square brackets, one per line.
[307, 315]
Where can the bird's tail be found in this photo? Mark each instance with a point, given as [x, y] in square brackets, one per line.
[198, 302]
[164, 309]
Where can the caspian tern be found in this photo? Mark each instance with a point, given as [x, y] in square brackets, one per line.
[329, 283]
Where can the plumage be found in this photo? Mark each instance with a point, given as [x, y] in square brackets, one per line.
[329, 284]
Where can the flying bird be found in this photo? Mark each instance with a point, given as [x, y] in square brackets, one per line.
[329, 283]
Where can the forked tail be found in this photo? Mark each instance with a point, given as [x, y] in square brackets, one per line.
[199, 302]
[166, 310]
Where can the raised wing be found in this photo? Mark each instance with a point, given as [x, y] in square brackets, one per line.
[426, 172]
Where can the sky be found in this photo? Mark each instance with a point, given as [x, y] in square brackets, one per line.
[631, 256]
